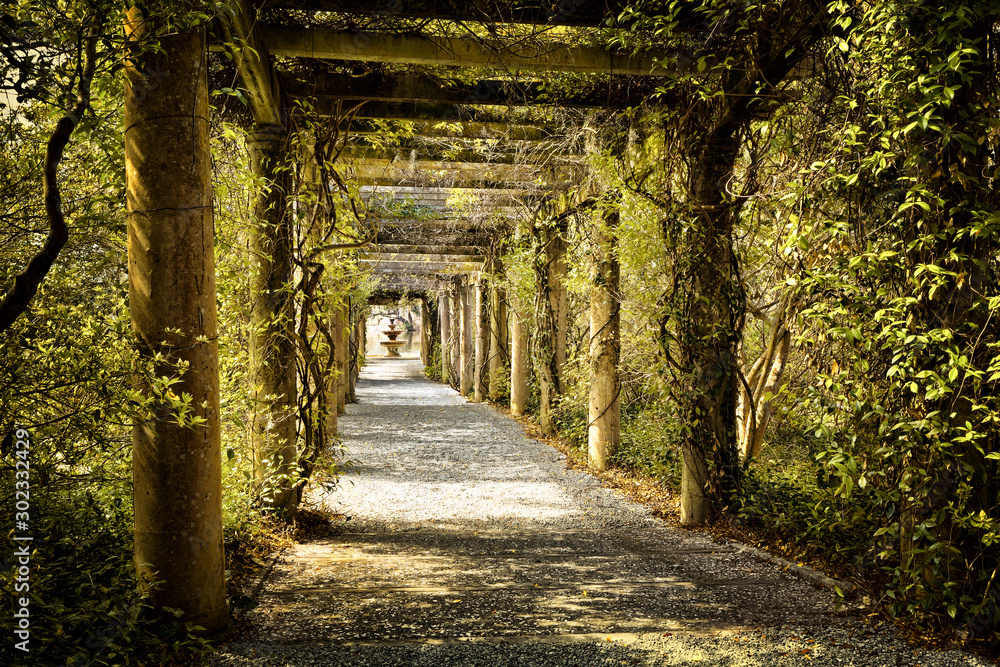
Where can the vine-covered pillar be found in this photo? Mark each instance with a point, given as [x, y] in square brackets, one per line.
[172, 303]
[272, 319]
[466, 351]
[480, 375]
[551, 311]
[455, 368]
[341, 338]
[708, 333]
[425, 333]
[444, 307]
[604, 412]
[519, 368]
[354, 350]
[499, 339]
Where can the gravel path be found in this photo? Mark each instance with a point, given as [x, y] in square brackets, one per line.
[472, 544]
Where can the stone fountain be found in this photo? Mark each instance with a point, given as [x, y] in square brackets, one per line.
[392, 345]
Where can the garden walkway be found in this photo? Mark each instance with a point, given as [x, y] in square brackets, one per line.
[471, 543]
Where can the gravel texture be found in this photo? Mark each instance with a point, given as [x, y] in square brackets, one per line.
[427, 458]
[472, 544]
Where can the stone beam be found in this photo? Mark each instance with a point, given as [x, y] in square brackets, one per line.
[437, 113]
[253, 63]
[387, 249]
[406, 269]
[444, 174]
[457, 52]
[398, 236]
[441, 257]
[426, 156]
[381, 179]
[578, 13]
[457, 130]
[411, 87]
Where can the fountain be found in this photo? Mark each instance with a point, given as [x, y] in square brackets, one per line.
[392, 345]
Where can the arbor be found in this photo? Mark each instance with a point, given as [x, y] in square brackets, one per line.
[741, 73]
[909, 290]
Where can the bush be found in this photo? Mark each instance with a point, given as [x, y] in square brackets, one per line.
[85, 605]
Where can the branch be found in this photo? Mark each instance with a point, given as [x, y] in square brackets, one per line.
[26, 283]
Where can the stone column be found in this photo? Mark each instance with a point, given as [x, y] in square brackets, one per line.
[518, 362]
[455, 300]
[551, 321]
[444, 308]
[341, 342]
[272, 318]
[466, 352]
[604, 412]
[480, 374]
[499, 339]
[425, 333]
[171, 271]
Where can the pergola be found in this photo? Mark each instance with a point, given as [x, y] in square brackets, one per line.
[282, 52]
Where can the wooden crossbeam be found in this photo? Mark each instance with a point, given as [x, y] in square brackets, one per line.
[579, 13]
[409, 87]
[457, 52]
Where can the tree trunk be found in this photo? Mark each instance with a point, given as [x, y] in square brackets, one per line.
[272, 338]
[177, 469]
[604, 413]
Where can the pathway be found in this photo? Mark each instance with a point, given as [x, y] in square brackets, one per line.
[470, 543]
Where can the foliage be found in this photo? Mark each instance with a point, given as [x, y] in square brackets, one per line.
[85, 607]
[905, 292]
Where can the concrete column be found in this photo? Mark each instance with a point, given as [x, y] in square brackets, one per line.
[604, 412]
[171, 271]
[466, 352]
[444, 310]
[480, 374]
[354, 352]
[341, 344]
[425, 333]
[552, 323]
[455, 299]
[499, 339]
[518, 363]
[271, 340]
